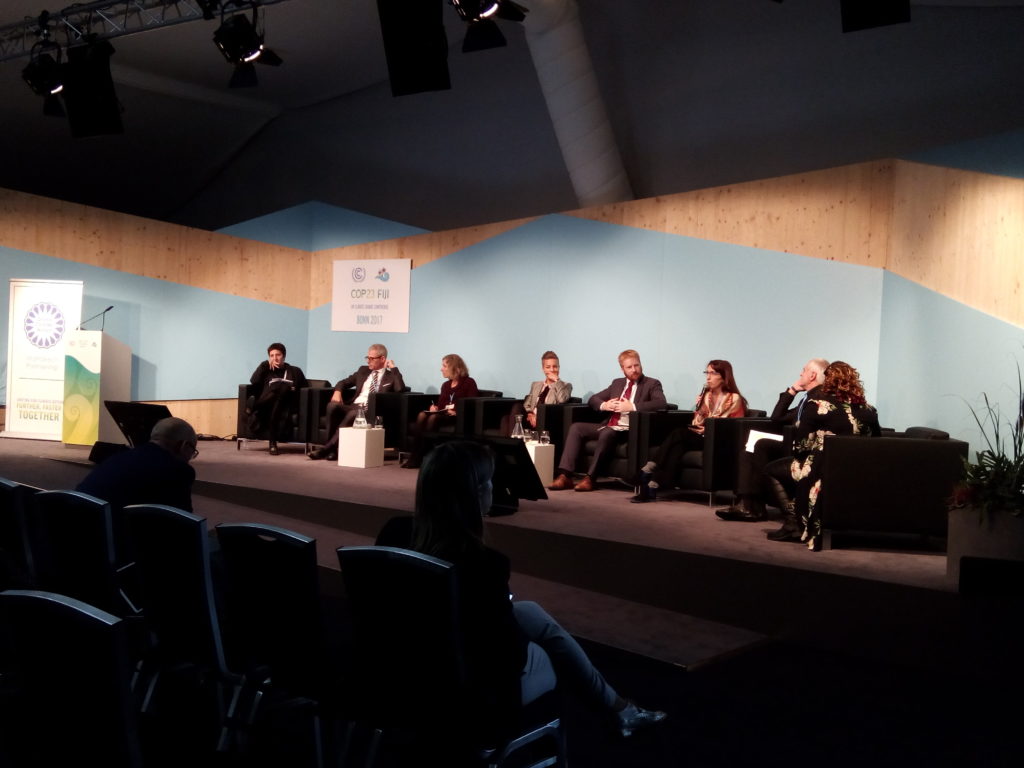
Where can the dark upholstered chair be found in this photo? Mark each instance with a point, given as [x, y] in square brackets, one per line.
[412, 676]
[17, 568]
[171, 548]
[300, 418]
[464, 416]
[66, 672]
[272, 626]
[550, 418]
[71, 538]
[889, 485]
[384, 404]
[629, 455]
[713, 468]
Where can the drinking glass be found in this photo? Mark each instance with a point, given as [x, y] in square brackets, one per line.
[545, 437]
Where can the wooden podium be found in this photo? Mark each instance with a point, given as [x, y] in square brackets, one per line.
[97, 367]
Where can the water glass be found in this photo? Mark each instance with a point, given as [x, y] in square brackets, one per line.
[378, 422]
[545, 437]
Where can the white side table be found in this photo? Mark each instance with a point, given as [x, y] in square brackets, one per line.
[360, 447]
[544, 460]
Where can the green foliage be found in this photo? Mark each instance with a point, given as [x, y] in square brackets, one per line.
[994, 482]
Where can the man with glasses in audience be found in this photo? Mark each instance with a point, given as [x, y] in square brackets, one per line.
[378, 375]
[157, 472]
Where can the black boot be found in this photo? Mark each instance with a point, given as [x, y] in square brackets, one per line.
[790, 530]
[643, 491]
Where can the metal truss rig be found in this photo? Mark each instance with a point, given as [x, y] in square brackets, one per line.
[106, 19]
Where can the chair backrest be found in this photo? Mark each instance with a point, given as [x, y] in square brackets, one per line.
[271, 607]
[172, 553]
[405, 626]
[71, 538]
[18, 569]
[71, 679]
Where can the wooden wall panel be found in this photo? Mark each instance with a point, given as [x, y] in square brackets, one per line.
[841, 213]
[207, 417]
[961, 234]
[155, 249]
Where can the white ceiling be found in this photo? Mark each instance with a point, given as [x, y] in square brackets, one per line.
[699, 92]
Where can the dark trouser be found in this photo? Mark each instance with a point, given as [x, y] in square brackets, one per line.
[427, 421]
[579, 434]
[272, 412]
[339, 415]
[770, 458]
[670, 455]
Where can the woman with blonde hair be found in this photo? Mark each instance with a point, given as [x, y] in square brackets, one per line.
[457, 385]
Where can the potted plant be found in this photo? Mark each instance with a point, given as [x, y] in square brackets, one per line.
[986, 518]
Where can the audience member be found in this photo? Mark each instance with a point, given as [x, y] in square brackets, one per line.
[274, 398]
[837, 407]
[457, 385]
[762, 469]
[378, 375]
[513, 650]
[720, 398]
[551, 390]
[633, 392]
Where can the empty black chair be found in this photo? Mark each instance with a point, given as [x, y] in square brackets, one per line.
[16, 566]
[71, 539]
[408, 653]
[172, 554]
[273, 630]
[67, 684]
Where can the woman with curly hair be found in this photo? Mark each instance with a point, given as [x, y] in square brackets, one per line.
[837, 407]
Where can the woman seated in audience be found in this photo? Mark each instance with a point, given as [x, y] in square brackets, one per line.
[513, 650]
[551, 390]
[836, 407]
[457, 385]
[274, 399]
[720, 398]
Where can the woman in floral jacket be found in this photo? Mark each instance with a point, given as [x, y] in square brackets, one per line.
[837, 407]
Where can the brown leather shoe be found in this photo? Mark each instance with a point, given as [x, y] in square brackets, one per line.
[586, 484]
[562, 483]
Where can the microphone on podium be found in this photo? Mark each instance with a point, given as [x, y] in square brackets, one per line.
[98, 314]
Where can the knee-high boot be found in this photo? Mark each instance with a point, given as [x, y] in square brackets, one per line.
[790, 530]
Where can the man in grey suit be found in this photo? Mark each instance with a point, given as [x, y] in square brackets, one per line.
[378, 375]
[633, 392]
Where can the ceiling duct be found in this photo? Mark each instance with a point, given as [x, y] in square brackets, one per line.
[567, 79]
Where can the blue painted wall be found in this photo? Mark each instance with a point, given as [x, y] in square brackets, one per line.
[187, 343]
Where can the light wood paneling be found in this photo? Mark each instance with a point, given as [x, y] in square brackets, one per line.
[841, 213]
[155, 249]
[422, 249]
[961, 234]
[208, 417]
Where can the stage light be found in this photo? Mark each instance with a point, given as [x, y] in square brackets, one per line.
[481, 31]
[44, 72]
[241, 42]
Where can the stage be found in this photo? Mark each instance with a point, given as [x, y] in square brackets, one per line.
[666, 579]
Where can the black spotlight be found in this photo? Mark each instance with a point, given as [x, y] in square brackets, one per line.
[481, 31]
[242, 44]
[89, 98]
[45, 75]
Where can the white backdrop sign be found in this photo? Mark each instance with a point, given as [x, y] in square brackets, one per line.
[41, 313]
[371, 295]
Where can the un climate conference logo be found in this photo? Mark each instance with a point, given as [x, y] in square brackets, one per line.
[358, 274]
[44, 325]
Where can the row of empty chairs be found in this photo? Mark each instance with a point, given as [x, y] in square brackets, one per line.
[251, 647]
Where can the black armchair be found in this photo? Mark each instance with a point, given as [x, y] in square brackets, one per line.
[465, 415]
[889, 485]
[299, 419]
[714, 467]
[387, 405]
[629, 455]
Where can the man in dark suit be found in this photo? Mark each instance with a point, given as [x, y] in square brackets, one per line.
[633, 392]
[378, 375]
[764, 472]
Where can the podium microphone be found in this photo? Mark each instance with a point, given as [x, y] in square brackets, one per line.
[98, 314]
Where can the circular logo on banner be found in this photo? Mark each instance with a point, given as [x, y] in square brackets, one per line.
[358, 274]
[44, 325]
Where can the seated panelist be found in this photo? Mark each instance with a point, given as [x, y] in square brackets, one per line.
[378, 375]
[551, 390]
[457, 385]
[274, 399]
